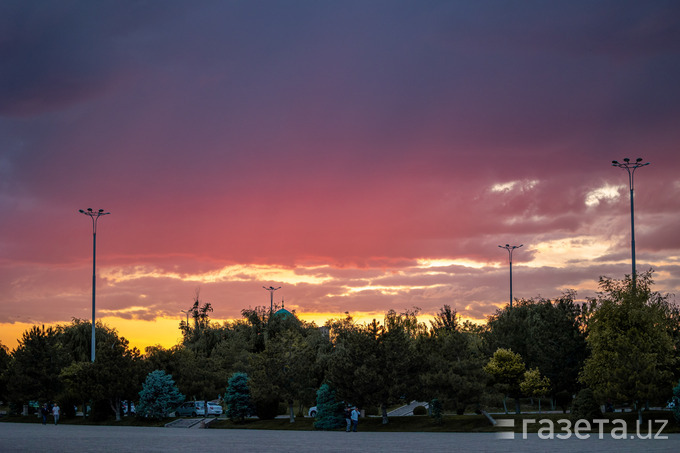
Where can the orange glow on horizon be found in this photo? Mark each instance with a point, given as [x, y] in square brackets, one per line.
[165, 331]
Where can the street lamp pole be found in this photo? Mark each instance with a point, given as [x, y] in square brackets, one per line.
[94, 215]
[271, 290]
[630, 167]
[510, 248]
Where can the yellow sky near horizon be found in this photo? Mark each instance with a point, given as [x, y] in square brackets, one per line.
[165, 331]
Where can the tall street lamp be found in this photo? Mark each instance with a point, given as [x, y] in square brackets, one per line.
[271, 290]
[630, 167]
[510, 248]
[187, 324]
[95, 217]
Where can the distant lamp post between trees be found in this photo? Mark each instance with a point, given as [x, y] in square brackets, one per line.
[630, 167]
[187, 313]
[271, 290]
[94, 215]
[510, 249]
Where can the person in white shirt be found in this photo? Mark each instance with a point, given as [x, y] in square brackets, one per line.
[355, 418]
[55, 413]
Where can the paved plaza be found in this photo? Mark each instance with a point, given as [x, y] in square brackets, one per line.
[29, 437]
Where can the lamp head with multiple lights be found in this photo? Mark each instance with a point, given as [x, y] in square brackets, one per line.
[93, 213]
[627, 164]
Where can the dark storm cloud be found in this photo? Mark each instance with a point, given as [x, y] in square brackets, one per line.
[57, 54]
[53, 54]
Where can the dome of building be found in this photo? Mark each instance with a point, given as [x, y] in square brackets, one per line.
[283, 313]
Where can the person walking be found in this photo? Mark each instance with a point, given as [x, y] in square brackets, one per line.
[348, 417]
[55, 413]
[44, 411]
[355, 418]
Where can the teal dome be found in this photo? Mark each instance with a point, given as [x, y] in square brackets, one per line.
[285, 314]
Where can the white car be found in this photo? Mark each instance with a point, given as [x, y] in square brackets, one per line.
[213, 408]
[196, 408]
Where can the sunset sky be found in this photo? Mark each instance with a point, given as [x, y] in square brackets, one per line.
[363, 155]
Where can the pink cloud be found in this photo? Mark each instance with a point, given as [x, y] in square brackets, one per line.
[222, 136]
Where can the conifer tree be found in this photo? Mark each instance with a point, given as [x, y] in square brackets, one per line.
[239, 403]
[159, 395]
[329, 413]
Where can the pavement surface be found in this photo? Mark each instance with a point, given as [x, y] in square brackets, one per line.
[29, 437]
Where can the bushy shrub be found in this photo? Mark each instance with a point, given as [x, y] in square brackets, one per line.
[419, 410]
[585, 407]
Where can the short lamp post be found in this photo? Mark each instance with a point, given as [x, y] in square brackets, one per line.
[95, 217]
[510, 248]
[630, 167]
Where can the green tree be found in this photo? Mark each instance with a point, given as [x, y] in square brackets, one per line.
[238, 399]
[115, 375]
[76, 339]
[4, 365]
[199, 314]
[232, 353]
[199, 376]
[284, 362]
[632, 351]
[330, 411]
[284, 370]
[535, 385]
[675, 402]
[255, 326]
[159, 358]
[452, 362]
[375, 365]
[33, 371]
[159, 395]
[671, 315]
[82, 384]
[399, 360]
[353, 367]
[446, 321]
[548, 334]
[507, 369]
[205, 335]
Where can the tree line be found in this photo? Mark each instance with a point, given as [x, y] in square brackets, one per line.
[623, 345]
